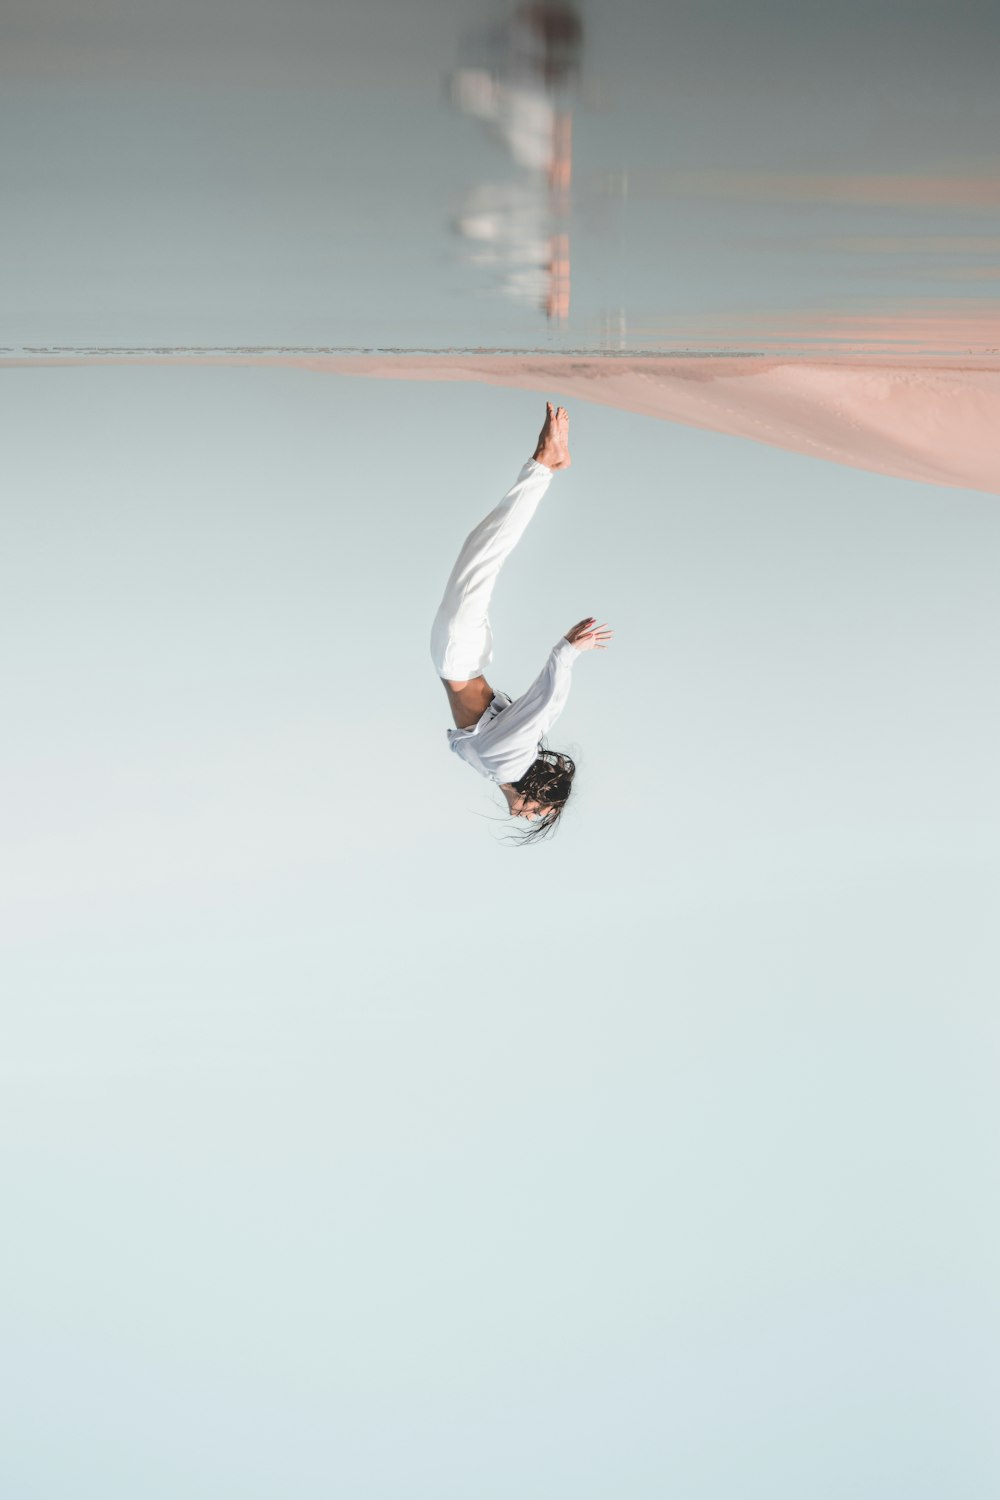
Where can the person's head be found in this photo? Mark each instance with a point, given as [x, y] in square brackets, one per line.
[541, 793]
[556, 34]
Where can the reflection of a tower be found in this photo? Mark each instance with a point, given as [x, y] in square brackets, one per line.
[518, 226]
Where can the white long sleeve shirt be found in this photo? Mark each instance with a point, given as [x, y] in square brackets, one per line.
[504, 742]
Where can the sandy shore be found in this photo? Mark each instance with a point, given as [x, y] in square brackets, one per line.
[941, 426]
[916, 419]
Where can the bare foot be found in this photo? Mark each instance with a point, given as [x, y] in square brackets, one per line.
[553, 440]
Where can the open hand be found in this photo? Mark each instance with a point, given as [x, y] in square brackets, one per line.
[589, 636]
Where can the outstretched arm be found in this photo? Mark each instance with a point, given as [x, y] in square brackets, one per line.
[511, 740]
[545, 699]
[538, 708]
[534, 712]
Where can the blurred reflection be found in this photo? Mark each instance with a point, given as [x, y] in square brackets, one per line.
[517, 82]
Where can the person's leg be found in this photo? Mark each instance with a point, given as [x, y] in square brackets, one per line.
[461, 639]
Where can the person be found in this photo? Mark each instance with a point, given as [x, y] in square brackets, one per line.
[520, 90]
[500, 737]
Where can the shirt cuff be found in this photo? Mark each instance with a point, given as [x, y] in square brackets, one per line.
[565, 651]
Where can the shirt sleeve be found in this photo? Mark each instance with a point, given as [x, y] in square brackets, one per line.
[513, 736]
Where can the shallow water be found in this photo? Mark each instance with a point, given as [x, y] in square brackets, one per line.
[445, 175]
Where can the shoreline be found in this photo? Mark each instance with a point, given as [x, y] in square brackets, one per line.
[931, 418]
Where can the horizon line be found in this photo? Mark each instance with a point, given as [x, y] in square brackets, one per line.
[791, 349]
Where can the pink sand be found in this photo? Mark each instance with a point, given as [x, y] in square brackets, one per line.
[938, 425]
[925, 419]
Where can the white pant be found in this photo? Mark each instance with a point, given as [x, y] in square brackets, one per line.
[461, 639]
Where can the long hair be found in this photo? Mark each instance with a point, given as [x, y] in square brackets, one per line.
[548, 781]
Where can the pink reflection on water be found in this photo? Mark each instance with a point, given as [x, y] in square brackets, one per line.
[877, 189]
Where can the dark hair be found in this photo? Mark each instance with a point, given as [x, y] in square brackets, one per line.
[559, 29]
[548, 781]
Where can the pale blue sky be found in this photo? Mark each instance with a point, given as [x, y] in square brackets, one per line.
[349, 1151]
